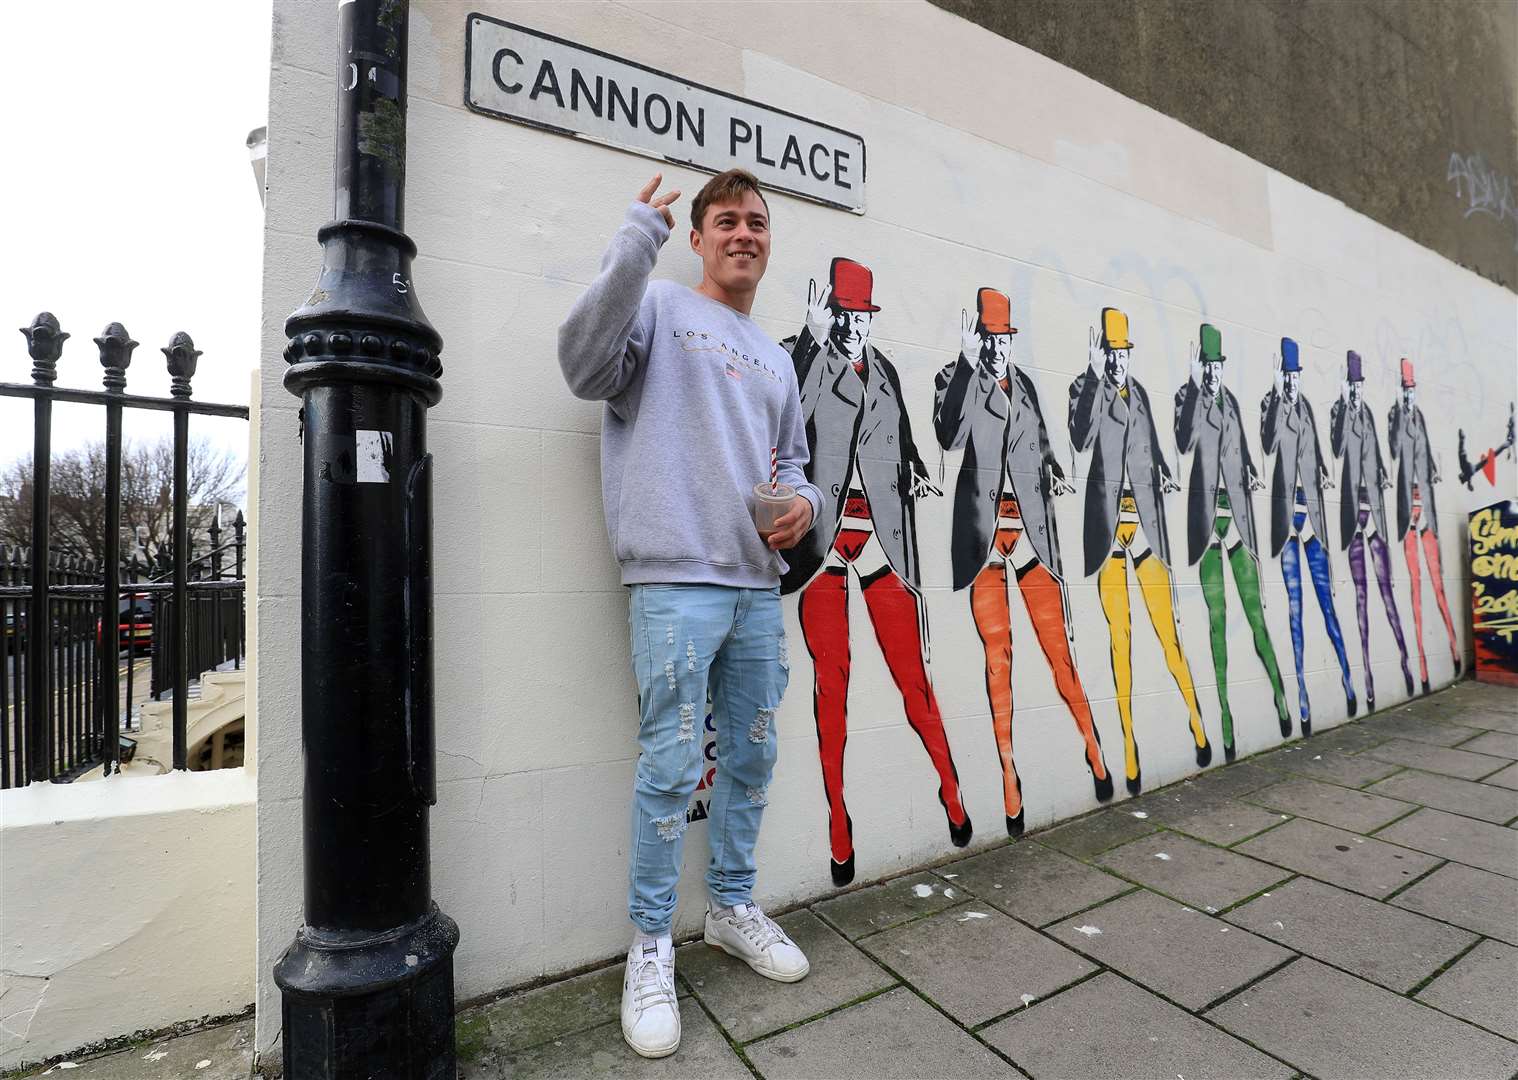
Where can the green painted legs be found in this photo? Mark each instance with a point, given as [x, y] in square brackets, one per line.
[1246, 579]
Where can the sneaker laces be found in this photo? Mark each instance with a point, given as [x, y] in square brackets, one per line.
[758, 928]
[653, 980]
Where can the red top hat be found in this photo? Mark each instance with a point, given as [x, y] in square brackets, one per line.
[995, 311]
[852, 285]
[1407, 373]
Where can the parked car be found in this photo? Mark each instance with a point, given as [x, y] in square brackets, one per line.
[134, 624]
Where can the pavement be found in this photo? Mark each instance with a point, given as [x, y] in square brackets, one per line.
[1341, 907]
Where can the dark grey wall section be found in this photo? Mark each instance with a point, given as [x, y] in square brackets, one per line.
[1406, 110]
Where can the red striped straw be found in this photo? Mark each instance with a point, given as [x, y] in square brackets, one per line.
[774, 469]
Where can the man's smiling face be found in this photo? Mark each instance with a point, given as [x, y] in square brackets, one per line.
[851, 332]
[734, 243]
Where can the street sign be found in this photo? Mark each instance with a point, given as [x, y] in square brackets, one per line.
[514, 73]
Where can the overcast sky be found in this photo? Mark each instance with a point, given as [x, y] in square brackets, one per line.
[128, 196]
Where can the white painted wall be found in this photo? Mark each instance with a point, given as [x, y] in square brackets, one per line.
[123, 907]
[988, 165]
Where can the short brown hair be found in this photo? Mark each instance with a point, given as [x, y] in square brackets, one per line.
[727, 187]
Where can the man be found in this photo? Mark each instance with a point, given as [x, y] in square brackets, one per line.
[1004, 519]
[1297, 516]
[865, 463]
[1362, 511]
[1221, 516]
[1416, 522]
[696, 396]
[1125, 521]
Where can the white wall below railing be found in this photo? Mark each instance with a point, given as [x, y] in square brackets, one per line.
[125, 905]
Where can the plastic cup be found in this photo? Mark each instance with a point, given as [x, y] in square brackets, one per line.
[770, 504]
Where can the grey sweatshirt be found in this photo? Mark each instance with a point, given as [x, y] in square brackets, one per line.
[696, 395]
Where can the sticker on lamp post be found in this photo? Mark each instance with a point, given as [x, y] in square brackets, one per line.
[514, 73]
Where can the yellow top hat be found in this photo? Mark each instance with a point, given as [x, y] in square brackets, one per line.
[1115, 329]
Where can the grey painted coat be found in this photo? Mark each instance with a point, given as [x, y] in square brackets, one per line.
[1407, 437]
[859, 436]
[1211, 429]
[1119, 432]
[1002, 433]
[1352, 436]
[1289, 430]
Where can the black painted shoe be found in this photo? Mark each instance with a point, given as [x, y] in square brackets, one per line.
[1229, 753]
[1407, 677]
[1103, 785]
[1370, 702]
[843, 872]
[959, 835]
[1204, 755]
[1458, 665]
[1425, 686]
[1351, 706]
[1306, 725]
[1285, 720]
[1015, 825]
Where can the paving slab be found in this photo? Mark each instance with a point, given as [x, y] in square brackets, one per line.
[1192, 872]
[224, 1052]
[1124, 1031]
[1376, 941]
[1452, 836]
[1497, 743]
[600, 1052]
[1184, 954]
[1350, 770]
[1475, 899]
[1331, 804]
[888, 904]
[534, 1016]
[747, 1005]
[1407, 723]
[1096, 832]
[1207, 816]
[1436, 759]
[1507, 778]
[1031, 882]
[1359, 863]
[896, 1036]
[1479, 988]
[1230, 781]
[1501, 716]
[1484, 801]
[1327, 1023]
[976, 963]
[1351, 738]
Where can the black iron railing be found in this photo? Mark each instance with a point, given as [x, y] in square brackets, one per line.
[65, 628]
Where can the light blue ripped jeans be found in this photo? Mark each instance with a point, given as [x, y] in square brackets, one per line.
[684, 639]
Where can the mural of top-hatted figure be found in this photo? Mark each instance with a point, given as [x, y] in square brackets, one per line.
[1004, 520]
[1220, 515]
[1362, 511]
[866, 464]
[1417, 524]
[1126, 486]
[1298, 518]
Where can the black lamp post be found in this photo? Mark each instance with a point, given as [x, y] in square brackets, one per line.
[368, 983]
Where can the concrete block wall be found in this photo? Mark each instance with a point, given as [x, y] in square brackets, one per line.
[988, 165]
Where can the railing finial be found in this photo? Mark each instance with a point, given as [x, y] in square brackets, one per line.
[182, 355]
[44, 341]
[116, 347]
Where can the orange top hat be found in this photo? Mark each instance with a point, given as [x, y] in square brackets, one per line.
[1407, 373]
[1115, 329]
[853, 285]
[995, 311]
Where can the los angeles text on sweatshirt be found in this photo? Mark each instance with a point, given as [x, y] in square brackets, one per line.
[696, 395]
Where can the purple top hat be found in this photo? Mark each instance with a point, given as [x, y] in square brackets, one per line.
[1356, 370]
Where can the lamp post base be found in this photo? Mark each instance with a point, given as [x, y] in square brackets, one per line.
[357, 1006]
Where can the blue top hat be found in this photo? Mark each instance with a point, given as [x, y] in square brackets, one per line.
[1356, 373]
[1289, 358]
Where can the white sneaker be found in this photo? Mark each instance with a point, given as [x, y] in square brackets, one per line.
[650, 1014]
[753, 937]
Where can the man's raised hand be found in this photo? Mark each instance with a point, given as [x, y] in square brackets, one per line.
[1096, 360]
[969, 340]
[819, 317]
[663, 202]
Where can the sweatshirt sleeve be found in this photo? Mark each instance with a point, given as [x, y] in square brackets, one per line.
[603, 344]
[794, 454]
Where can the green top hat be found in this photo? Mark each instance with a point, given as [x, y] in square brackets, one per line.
[1212, 344]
